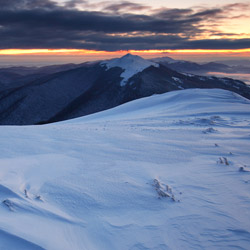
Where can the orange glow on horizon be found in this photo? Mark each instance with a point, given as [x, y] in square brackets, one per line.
[47, 51]
[193, 51]
[76, 52]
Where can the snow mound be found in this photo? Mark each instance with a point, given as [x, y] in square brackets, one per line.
[182, 103]
[131, 65]
[140, 176]
[12, 242]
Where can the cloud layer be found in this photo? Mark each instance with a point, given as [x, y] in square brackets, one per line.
[124, 25]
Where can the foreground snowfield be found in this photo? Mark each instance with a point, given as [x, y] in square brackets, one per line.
[89, 183]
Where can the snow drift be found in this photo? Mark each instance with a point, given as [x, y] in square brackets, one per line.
[169, 171]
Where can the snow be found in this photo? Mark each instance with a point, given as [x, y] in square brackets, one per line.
[166, 59]
[130, 64]
[176, 79]
[169, 171]
[202, 78]
[188, 74]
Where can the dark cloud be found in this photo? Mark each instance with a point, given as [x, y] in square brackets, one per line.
[27, 4]
[172, 13]
[74, 3]
[44, 24]
[237, 6]
[125, 6]
[212, 13]
[81, 21]
[216, 44]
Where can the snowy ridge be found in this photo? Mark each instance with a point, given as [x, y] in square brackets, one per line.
[131, 65]
[169, 171]
[173, 104]
[167, 59]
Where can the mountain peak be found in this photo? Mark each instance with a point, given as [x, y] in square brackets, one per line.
[130, 56]
[131, 65]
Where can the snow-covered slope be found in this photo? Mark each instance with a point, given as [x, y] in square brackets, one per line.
[169, 171]
[130, 64]
[166, 59]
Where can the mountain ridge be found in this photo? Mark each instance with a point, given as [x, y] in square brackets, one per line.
[94, 87]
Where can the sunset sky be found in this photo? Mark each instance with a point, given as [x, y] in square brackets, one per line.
[46, 32]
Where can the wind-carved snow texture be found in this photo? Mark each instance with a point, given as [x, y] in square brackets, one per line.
[163, 190]
[223, 160]
[130, 64]
[109, 180]
[244, 169]
[9, 204]
[209, 130]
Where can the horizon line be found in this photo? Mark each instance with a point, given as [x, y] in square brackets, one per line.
[63, 51]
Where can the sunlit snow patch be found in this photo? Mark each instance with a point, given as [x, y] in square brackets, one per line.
[130, 64]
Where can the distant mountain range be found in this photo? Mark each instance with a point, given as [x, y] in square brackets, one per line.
[17, 76]
[231, 67]
[239, 63]
[56, 93]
